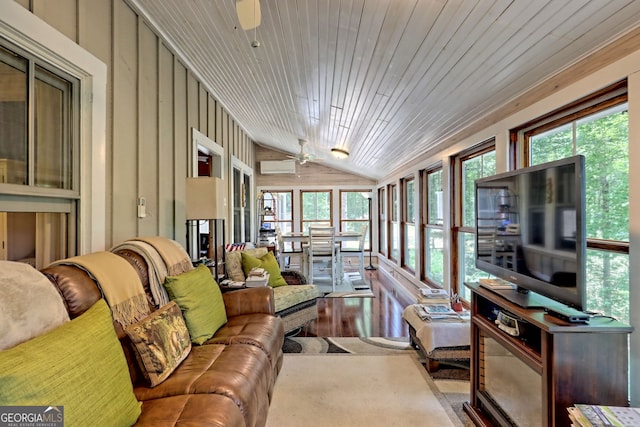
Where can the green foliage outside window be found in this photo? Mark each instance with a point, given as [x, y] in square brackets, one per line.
[354, 215]
[410, 219]
[316, 208]
[604, 141]
[472, 169]
[435, 258]
[435, 200]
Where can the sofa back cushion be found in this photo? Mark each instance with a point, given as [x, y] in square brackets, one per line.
[79, 365]
[78, 290]
[200, 299]
[269, 263]
[233, 262]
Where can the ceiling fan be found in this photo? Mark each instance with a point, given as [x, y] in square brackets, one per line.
[303, 157]
[249, 14]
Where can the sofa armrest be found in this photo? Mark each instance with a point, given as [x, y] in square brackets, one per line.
[294, 277]
[248, 301]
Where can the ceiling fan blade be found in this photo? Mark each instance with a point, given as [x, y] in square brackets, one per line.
[249, 14]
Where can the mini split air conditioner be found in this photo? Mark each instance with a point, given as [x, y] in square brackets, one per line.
[270, 167]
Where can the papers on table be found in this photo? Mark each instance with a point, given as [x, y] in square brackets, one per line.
[496, 284]
[582, 415]
[434, 293]
[439, 312]
[433, 296]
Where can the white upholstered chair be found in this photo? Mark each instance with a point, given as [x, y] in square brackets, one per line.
[322, 255]
[357, 251]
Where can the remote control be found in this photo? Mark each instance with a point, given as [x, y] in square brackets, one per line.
[568, 315]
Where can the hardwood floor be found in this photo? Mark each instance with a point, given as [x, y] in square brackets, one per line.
[361, 317]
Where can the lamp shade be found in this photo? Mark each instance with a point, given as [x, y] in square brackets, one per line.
[204, 198]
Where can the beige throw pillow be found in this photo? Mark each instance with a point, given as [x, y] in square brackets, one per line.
[233, 262]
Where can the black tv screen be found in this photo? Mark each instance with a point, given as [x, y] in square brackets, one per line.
[530, 230]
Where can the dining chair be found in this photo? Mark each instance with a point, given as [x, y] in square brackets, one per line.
[486, 245]
[322, 255]
[357, 251]
[289, 257]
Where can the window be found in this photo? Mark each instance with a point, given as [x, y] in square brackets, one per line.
[243, 206]
[394, 225]
[282, 203]
[354, 215]
[284, 210]
[476, 163]
[383, 224]
[433, 235]
[596, 127]
[316, 208]
[409, 222]
[39, 146]
[48, 164]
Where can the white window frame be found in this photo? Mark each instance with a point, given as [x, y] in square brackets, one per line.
[244, 169]
[26, 30]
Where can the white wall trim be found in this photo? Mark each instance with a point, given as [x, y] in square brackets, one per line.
[203, 142]
[244, 169]
[28, 31]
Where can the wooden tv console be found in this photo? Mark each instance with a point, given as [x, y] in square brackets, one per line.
[533, 378]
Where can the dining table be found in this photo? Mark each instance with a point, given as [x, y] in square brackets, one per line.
[302, 239]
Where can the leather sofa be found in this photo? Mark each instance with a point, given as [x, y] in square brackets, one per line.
[227, 381]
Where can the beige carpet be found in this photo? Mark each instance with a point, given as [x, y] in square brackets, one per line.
[357, 390]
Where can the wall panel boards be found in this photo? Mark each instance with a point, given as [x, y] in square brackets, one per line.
[165, 142]
[95, 34]
[60, 14]
[181, 144]
[94, 28]
[202, 109]
[124, 173]
[225, 132]
[193, 107]
[218, 128]
[153, 102]
[211, 118]
[148, 144]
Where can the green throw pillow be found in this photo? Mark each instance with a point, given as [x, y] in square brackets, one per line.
[79, 365]
[200, 299]
[269, 263]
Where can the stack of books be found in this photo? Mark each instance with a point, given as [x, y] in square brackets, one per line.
[439, 312]
[256, 271]
[433, 296]
[496, 284]
[257, 277]
[582, 415]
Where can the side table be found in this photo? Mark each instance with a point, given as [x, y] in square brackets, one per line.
[227, 288]
[439, 341]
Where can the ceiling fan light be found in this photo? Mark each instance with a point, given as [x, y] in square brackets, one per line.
[340, 153]
[249, 14]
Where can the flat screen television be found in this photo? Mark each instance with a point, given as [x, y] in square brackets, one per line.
[530, 231]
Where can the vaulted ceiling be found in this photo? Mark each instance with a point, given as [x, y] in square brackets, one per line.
[388, 80]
